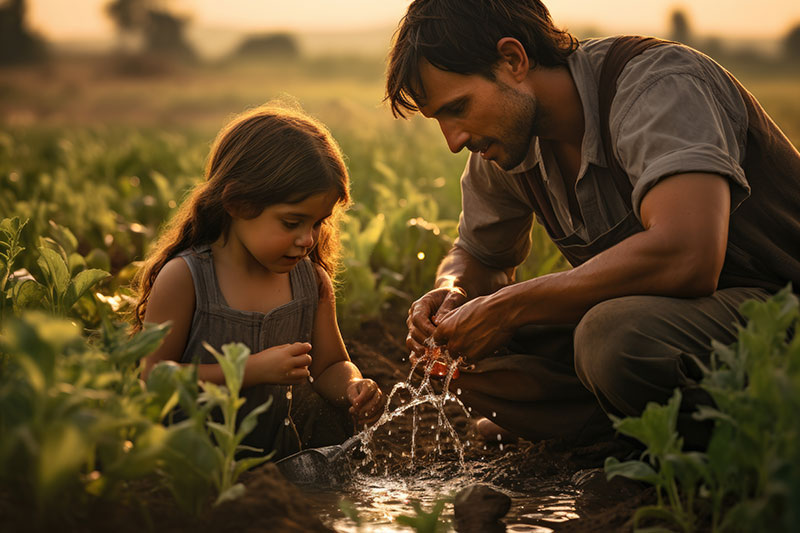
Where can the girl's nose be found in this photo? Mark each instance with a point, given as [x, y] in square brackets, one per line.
[305, 239]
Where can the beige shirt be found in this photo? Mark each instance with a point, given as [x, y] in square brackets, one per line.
[675, 111]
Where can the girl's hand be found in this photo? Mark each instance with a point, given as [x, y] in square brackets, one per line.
[286, 364]
[366, 401]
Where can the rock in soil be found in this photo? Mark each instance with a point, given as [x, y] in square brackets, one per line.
[479, 508]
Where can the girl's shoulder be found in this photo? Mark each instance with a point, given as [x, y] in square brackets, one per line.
[175, 274]
[172, 296]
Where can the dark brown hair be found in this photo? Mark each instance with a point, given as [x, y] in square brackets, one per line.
[461, 36]
[268, 155]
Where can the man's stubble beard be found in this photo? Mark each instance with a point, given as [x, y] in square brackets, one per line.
[524, 126]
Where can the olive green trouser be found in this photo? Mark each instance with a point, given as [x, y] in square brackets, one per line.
[562, 381]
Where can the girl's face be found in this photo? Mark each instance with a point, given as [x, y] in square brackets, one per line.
[283, 234]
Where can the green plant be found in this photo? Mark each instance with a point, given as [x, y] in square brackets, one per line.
[200, 454]
[749, 477]
[663, 464]
[10, 248]
[426, 522]
[350, 511]
[73, 418]
[58, 289]
[228, 437]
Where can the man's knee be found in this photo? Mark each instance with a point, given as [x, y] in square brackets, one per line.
[606, 342]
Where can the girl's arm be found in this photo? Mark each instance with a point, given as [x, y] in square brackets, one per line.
[172, 299]
[336, 378]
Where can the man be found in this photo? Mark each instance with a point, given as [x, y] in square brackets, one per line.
[661, 180]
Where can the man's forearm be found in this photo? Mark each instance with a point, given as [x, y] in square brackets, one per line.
[461, 269]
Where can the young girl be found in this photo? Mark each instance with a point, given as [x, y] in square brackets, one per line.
[249, 258]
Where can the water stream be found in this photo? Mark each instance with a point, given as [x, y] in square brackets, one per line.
[415, 452]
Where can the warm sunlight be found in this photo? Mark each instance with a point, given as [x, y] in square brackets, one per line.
[736, 18]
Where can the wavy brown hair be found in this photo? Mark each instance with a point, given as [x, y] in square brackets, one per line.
[461, 36]
[268, 155]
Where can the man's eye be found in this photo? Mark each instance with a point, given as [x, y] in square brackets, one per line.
[458, 108]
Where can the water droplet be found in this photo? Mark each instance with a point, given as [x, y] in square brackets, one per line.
[494, 414]
[458, 391]
[390, 432]
[286, 421]
[289, 394]
[469, 409]
[310, 379]
[501, 446]
[499, 436]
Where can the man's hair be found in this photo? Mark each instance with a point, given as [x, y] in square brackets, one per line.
[461, 36]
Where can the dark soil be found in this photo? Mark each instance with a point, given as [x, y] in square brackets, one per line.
[273, 504]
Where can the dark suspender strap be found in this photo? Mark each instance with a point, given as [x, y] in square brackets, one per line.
[622, 50]
[538, 196]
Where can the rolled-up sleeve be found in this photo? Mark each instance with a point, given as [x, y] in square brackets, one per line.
[680, 123]
[495, 222]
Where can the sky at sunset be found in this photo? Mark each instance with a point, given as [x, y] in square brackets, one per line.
[85, 19]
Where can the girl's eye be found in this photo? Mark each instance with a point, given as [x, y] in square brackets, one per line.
[290, 225]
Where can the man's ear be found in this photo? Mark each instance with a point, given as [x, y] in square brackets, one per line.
[513, 58]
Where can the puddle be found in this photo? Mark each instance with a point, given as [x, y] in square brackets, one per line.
[420, 450]
[538, 505]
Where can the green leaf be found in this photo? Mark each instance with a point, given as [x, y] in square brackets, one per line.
[140, 345]
[233, 493]
[232, 360]
[247, 463]
[64, 237]
[28, 294]
[637, 470]
[249, 422]
[658, 513]
[76, 263]
[55, 270]
[350, 511]
[656, 428]
[63, 450]
[222, 434]
[80, 284]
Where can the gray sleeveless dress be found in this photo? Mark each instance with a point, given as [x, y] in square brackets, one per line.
[298, 417]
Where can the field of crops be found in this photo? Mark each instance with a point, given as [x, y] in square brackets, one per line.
[93, 161]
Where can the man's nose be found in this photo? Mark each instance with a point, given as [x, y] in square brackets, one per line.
[456, 137]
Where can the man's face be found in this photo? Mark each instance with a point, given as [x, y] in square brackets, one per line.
[490, 117]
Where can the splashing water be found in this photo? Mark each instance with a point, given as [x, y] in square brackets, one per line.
[424, 393]
[382, 494]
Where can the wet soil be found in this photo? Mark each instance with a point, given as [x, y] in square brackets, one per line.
[273, 504]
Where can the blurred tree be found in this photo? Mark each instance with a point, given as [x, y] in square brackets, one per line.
[680, 30]
[17, 43]
[270, 45]
[148, 26]
[791, 45]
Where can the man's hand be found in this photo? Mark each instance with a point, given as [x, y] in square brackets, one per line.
[425, 313]
[474, 330]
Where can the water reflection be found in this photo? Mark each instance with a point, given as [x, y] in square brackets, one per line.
[537, 505]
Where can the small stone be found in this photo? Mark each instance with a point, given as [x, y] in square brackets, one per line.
[479, 508]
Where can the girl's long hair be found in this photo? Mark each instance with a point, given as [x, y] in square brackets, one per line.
[268, 155]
